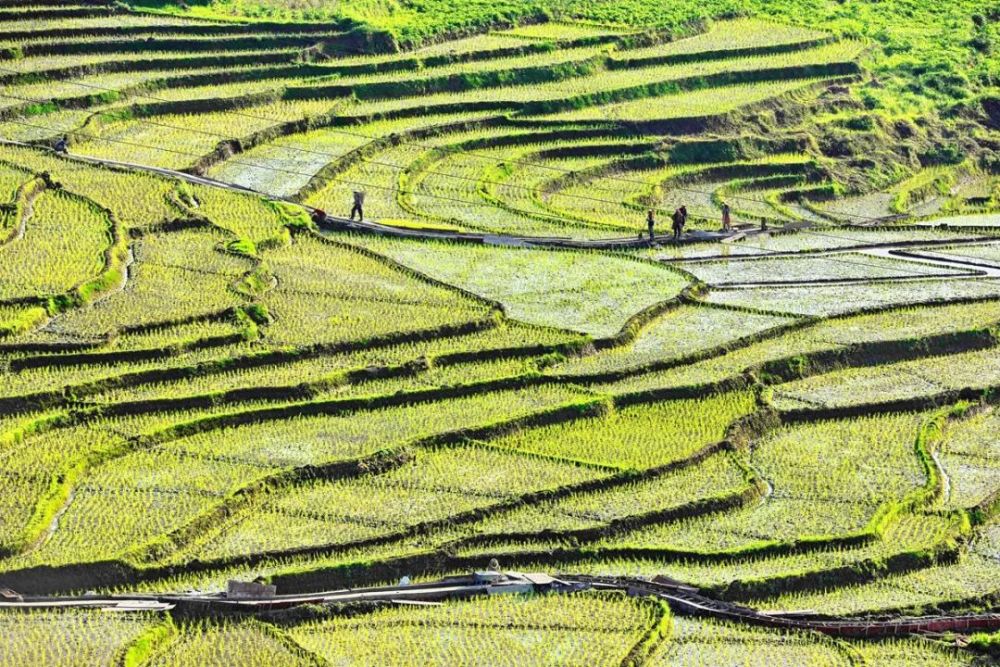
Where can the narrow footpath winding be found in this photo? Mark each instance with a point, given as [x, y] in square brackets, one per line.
[682, 599]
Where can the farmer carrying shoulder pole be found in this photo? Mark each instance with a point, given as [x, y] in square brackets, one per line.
[678, 224]
[727, 221]
[359, 205]
[650, 221]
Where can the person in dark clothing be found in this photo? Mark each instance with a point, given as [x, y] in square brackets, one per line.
[62, 146]
[678, 224]
[319, 216]
[650, 222]
[727, 219]
[359, 206]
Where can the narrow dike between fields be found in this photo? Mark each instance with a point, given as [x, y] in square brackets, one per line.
[945, 479]
[53, 526]
[915, 256]
[682, 599]
[345, 224]
[338, 406]
[899, 251]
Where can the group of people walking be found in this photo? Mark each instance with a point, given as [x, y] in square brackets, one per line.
[678, 218]
[679, 221]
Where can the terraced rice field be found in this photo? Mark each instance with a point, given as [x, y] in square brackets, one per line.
[203, 383]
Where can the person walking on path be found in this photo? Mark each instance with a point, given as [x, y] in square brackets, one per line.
[62, 146]
[727, 221]
[359, 205]
[650, 222]
[678, 223]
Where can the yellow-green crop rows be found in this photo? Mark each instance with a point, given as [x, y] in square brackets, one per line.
[62, 246]
[537, 631]
[199, 383]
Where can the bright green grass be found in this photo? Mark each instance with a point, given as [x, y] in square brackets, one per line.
[820, 484]
[244, 642]
[330, 293]
[330, 367]
[174, 276]
[694, 104]
[968, 455]
[705, 641]
[177, 141]
[137, 200]
[833, 334]
[846, 266]
[285, 165]
[710, 642]
[973, 576]
[717, 476]
[133, 498]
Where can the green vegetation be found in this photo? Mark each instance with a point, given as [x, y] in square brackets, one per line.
[837, 300]
[642, 436]
[967, 458]
[678, 333]
[937, 69]
[203, 380]
[909, 379]
[544, 288]
[546, 630]
[712, 642]
[61, 246]
[76, 637]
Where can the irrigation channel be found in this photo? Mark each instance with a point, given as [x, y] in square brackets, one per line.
[682, 599]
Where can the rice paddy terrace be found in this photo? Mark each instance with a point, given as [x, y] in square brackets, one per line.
[795, 421]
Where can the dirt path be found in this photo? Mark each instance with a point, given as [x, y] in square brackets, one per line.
[682, 599]
[335, 222]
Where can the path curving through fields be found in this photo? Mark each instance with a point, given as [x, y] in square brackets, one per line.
[682, 600]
